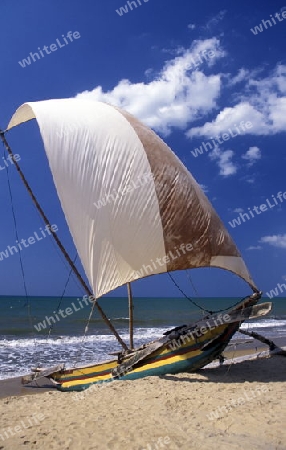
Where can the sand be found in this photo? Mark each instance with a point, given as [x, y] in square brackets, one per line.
[237, 406]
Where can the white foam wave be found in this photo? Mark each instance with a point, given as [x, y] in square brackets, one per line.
[139, 335]
[265, 324]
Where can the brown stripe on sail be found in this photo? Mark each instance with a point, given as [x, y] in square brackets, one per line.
[187, 215]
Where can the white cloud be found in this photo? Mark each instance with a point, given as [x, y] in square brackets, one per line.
[254, 247]
[180, 94]
[224, 161]
[278, 240]
[241, 76]
[263, 104]
[204, 188]
[252, 155]
[277, 114]
[192, 26]
[238, 210]
[272, 84]
[228, 119]
[214, 21]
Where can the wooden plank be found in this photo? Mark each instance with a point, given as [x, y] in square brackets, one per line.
[251, 312]
[41, 373]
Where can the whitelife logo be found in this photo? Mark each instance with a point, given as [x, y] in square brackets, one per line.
[258, 209]
[63, 313]
[9, 161]
[247, 396]
[27, 423]
[199, 332]
[131, 5]
[49, 49]
[267, 23]
[112, 198]
[176, 253]
[214, 141]
[275, 292]
[13, 249]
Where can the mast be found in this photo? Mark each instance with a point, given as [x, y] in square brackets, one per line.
[59, 243]
[131, 307]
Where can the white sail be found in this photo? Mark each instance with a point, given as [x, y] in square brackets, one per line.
[94, 154]
[132, 208]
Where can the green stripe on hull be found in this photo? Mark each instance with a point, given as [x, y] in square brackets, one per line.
[193, 363]
[149, 360]
[180, 366]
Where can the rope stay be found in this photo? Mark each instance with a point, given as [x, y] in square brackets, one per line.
[192, 284]
[59, 243]
[62, 296]
[85, 333]
[200, 307]
[187, 297]
[16, 231]
[27, 299]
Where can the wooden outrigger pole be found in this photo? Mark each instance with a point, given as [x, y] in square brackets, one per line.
[58, 242]
[131, 307]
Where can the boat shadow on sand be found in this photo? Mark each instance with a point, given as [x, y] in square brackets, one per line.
[264, 370]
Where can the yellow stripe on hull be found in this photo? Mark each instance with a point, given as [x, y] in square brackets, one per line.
[176, 356]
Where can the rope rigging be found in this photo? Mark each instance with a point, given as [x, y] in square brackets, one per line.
[27, 299]
[71, 271]
[59, 243]
[84, 336]
[62, 296]
[200, 307]
[186, 296]
[27, 303]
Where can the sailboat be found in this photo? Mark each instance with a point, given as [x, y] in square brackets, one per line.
[133, 210]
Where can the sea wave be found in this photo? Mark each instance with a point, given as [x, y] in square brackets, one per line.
[270, 323]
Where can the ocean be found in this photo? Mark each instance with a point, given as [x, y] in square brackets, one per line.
[60, 337]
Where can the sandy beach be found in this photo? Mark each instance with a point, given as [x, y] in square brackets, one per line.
[234, 406]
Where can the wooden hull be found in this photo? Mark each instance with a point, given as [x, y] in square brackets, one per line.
[180, 350]
[188, 357]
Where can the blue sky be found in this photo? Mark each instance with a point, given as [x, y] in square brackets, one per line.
[227, 75]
